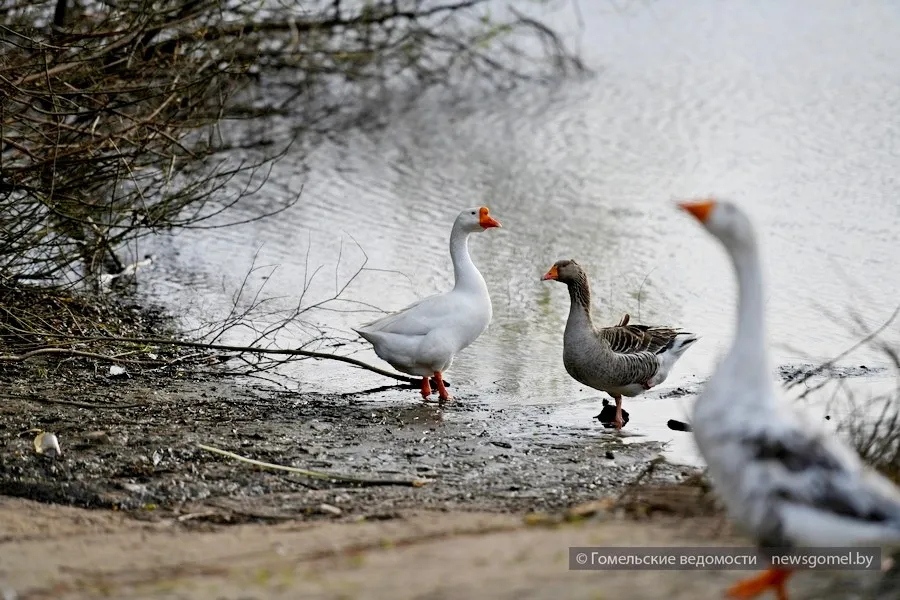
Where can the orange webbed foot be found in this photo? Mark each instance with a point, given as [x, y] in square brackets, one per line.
[773, 579]
[442, 391]
[426, 388]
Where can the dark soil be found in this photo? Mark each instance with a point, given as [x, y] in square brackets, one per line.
[129, 439]
[130, 442]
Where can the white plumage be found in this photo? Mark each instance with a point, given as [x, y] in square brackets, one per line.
[783, 478]
[423, 338]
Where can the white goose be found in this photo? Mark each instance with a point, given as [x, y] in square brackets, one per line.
[423, 338]
[783, 478]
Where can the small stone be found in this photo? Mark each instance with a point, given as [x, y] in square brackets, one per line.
[330, 509]
[135, 488]
[610, 455]
[97, 437]
[47, 443]
[117, 371]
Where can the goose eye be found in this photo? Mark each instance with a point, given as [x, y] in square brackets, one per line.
[473, 212]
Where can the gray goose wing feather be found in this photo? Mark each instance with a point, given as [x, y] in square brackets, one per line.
[635, 348]
[635, 339]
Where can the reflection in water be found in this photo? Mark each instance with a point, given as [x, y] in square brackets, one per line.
[788, 108]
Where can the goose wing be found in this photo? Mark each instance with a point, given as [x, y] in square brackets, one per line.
[417, 319]
[633, 339]
[822, 488]
[412, 320]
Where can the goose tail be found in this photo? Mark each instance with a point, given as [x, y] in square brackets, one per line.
[675, 349]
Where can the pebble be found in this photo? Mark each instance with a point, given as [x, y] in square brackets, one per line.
[330, 509]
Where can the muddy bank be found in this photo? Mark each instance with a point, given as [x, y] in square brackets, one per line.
[130, 443]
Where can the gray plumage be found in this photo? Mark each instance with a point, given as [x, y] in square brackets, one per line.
[622, 360]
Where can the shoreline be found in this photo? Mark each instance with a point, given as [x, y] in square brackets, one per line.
[133, 507]
[136, 449]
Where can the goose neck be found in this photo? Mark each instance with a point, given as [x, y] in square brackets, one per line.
[750, 333]
[465, 275]
[580, 300]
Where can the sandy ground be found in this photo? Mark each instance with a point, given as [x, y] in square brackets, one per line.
[134, 508]
[60, 552]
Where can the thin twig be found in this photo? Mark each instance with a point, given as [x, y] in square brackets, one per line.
[829, 363]
[81, 353]
[75, 403]
[243, 349]
[640, 290]
[316, 474]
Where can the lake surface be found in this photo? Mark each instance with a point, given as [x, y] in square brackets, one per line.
[789, 108]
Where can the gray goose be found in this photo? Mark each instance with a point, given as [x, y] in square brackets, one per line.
[622, 360]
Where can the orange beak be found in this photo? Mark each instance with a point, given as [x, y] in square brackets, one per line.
[700, 209]
[486, 220]
[551, 274]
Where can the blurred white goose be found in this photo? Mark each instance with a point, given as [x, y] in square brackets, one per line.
[783, 478]
[423, 338]
[622, 360]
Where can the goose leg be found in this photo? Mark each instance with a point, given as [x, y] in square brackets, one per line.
[442, 391]
[773, 579]
[619, 420]
[426, 388]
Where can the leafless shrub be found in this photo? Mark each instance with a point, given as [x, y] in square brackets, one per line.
[117, 119]
[871, 424]
[266, 324]
[42, 325]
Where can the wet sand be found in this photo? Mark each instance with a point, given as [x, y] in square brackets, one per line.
[132, 444]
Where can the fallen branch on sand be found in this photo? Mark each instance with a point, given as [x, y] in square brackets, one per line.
[217, 347]
[75, 403]
[75, 353]
[316, 474]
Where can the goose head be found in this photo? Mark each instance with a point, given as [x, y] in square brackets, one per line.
[476, 219]
[565, 271]
[725, 220]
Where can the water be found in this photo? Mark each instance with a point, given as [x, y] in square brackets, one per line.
[787, 108]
